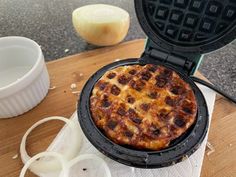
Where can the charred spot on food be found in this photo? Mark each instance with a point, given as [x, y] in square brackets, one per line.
[111, 75]
[179, 121]
[133, 84]
[152, 68]
[121, 111]
[153, 95]
[188, 110]
[160, 81]
[130, 99]
[136, 120]
[137, 85]
[177, 90]
[112, 124]
[129, 134]
[123, 80]
[145, 75]
[163, 113]
[170, 101]
[102, 85]
[132, 72]
[145, 106]
[167, 73]
[115, 90]
[156, 132]
[173, 129]
[105, 101]
[132, 113]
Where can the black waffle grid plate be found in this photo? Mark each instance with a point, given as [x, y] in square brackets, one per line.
[189, 23]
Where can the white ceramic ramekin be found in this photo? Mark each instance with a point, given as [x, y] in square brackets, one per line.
[24, 80]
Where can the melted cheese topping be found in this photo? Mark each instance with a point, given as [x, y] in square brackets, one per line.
[145, 107]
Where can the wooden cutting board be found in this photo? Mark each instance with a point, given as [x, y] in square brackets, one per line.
[62, 102]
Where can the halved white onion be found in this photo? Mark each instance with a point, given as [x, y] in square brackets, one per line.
[88, 165]
[58, 157]
[101, 24]
[50, 166]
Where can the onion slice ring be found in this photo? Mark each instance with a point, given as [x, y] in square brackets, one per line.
[43, 166]
[71, 163]
[58, 156]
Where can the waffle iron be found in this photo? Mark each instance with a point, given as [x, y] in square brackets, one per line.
[179, 32]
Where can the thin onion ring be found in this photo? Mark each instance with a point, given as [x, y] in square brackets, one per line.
[52, 165]
[86, 157]
[62, 160]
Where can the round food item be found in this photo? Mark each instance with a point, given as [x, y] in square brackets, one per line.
[69, 152]
[145, 107]
[63, 162]
[100, 24]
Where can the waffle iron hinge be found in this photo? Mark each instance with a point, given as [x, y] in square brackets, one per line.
[177, 61]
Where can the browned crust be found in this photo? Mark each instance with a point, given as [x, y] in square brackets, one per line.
[145, 107]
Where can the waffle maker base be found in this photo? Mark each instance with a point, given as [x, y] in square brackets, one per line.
[178, 150]
[178, 33]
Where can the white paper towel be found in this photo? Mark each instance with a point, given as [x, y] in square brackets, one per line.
[191, 167]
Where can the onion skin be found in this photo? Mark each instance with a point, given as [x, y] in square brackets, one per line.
[101, 34]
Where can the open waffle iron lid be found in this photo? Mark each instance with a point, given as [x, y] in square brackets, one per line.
[191, 26]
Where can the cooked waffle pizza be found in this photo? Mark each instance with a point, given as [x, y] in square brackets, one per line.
[145, 107]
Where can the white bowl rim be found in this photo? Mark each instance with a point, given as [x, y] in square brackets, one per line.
[35, 66]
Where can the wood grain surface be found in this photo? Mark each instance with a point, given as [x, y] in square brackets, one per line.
[62, 102]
